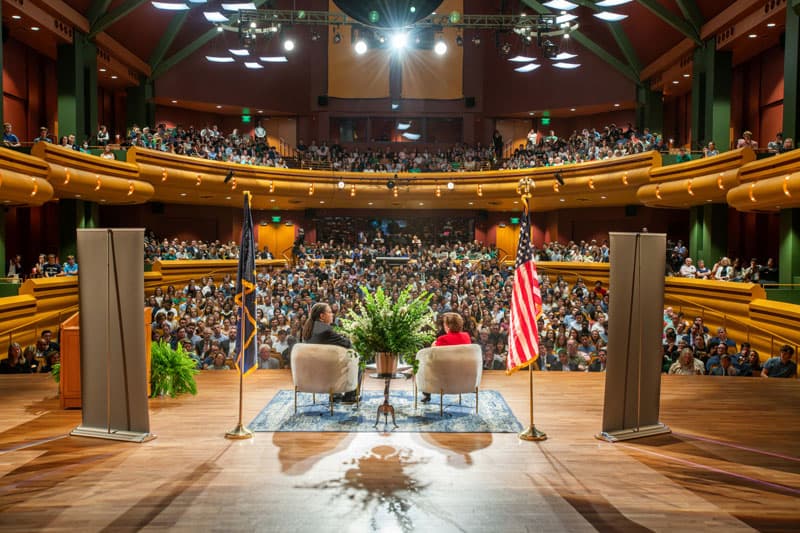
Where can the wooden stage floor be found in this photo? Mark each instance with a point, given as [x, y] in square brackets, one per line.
[731, 464]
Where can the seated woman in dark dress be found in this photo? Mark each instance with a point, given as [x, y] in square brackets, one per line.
[453, 335]
[318, 330]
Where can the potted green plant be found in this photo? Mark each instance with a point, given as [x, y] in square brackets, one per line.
[386, 329]
[171, 371]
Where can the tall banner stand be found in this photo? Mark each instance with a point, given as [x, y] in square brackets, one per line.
[633, 370]
[113, 359]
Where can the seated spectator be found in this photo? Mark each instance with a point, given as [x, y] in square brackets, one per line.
[218, 362]
[781, 366]
[776, 146]
[715, 356]
[265, 359]
[747, 141]
[683, 155]
[725, 367]
[750, 365]
[43, 136]
[103, 136]
[724, 271]
[687, 365]
[688, 270]
[769, 272]
[70, 267]
[564, 364]
[788, 145]
[9, 139]
[722, 338]
[14, 363]
[598, 364]
[710, 150]
[108, 153]
[702, 271]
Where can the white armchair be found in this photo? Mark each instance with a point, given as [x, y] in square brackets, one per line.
[450, 370]
[323, 369]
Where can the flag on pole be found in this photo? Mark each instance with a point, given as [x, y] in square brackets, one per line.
[246, 295]
[526, 304]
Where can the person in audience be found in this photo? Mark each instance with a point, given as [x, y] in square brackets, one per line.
[781, 366]
[108, 153]
[747, 141]
[702, 271]
[776, 146]
[70, 267]
[687, 365]
[14, 363]
[10, 140]
[564, 364]
[43, 136]
[688, 270]
[750, 365]
[710, 150]
[218, 362]
[722, 338]
[51, 269]
[598, 364]
[265, 359]
[725, 367]
[103, 136]
[724, 271]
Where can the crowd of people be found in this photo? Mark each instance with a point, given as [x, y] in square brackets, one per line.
[45, 266]
[679, 264]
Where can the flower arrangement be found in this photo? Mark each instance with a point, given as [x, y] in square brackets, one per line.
[379, 325]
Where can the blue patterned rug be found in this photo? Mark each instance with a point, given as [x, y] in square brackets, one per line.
[494, 415]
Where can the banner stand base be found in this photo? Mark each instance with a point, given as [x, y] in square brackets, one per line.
[635, 433]
[100, 433]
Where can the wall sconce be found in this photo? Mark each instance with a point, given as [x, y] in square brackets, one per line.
[720, 185]
[99, 183]
[750, 193]
[163, 174]
[438, 191]
[658, 192]
[35, 187]
[591, 183]
[199, 180]
[311, 190]
[271, 186]
[67, 176]
[352, 189]
[689, 187]
[480, 190]
[786, 186]
[131, 188]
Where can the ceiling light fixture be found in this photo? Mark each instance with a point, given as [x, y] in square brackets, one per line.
[561, 5]
[246, 6]
[566, 66]
[215, 16]
[610, 17]
[527, 68]
[274, 59]
[522, 59]
[564, 55]
[361, 47]
[476, 40]
[171, 6]
[34, 28]
[612, 3]
[253, 65]
[239, 51]
[16, 17]
[288, 45]
[440, 48]
[399, 40]
[218, 59]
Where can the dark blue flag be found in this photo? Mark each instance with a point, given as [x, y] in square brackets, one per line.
[247, 350]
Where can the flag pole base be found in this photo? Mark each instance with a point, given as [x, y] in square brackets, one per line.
[634, 433]
[239, 433]
[533, 434]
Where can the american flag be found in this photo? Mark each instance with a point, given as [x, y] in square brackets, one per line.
[526, 304]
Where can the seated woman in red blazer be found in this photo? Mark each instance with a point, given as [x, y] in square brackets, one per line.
[453, 334]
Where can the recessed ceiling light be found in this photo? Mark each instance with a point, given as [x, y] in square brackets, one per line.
[369, 203]
[239, 6]
[183, 194]
[114, 76]
[34, 28]
[102, 70]
[215, 16]
[17, 17]
[753, 35]
[274, 59]
[616, 105]
[219, 107]
[675, 82]
[566, 66]
[77, 196]
[253, 65]
[531, 113]
[174, 101]
[522, 59]
[687, 75]
[272, 200]
[227, 197]
[322, 201]
[239, 51]
[561, 5]
[422, 203]
[771, 25]
[603, 197]
[260, 111]
[561, 200]
[612, 3]
[220, 59]
[472, 203]
[572, 109]
[171, 6]
[516, 201]
[564, 55]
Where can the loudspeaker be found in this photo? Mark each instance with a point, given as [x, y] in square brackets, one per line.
[469, 101]
[322, 100]
[310, 213]
[157, 208]
[631, 210]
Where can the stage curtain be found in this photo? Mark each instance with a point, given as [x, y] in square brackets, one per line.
[429, 76]
[352, 76]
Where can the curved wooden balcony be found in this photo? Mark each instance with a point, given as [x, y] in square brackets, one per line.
[182, 179]
[695, 182]
[768, 184]
[77, 175]
[23, 179]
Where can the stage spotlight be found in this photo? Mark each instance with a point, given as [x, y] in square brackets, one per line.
[228, 177]
[506, 49]
[559, 179]
[315, 35]
[337, 37]
[399, 40]
[341, 184]
[390, 184]
[476, 40]
[450, 185]
[288, 45]
[459, 40]
[361, 47]
[440, 48]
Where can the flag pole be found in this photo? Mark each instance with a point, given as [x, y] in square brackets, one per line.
[530, 434]
[240, 432]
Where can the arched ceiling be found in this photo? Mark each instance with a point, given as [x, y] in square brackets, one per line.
[160, 39]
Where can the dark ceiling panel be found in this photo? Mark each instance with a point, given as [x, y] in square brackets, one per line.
[142, 29]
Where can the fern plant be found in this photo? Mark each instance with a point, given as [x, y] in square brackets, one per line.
[171, 371]
[55, 371]
[378, 324]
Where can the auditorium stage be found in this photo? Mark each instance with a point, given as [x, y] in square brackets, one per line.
[732, 464]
